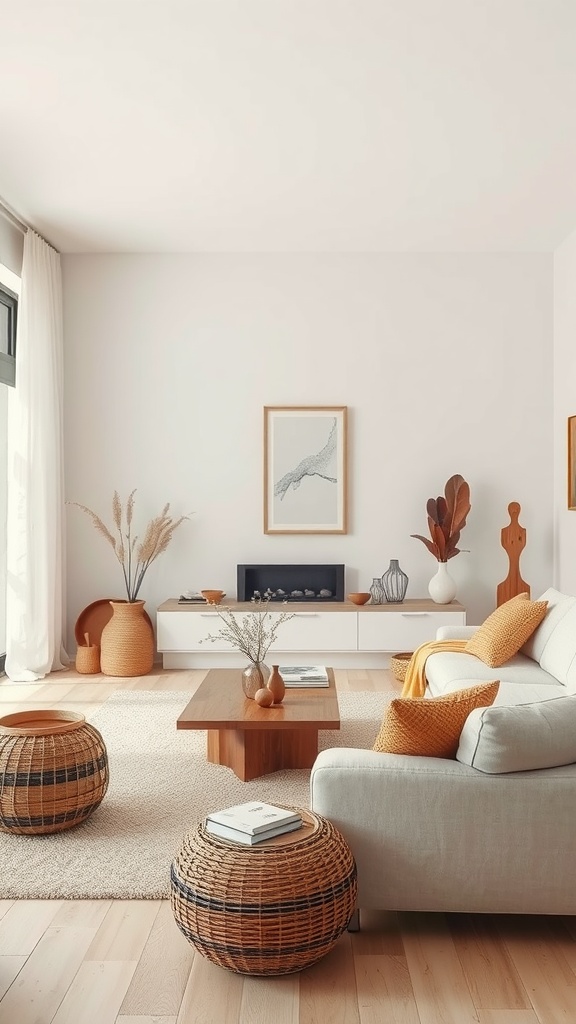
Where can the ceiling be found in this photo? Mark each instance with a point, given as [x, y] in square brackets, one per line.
[290, 125]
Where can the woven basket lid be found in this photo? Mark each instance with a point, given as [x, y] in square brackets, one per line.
[38, 723]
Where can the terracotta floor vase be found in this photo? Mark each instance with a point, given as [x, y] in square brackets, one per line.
[127, 642]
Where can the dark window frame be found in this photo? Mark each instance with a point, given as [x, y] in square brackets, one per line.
[9, 299]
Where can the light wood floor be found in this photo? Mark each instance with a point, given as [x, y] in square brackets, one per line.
[125, 962]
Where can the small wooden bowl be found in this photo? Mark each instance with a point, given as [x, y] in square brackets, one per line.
[213, 596]
[359, 598]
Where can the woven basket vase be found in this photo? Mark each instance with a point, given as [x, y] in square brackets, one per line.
[127, 641]
[399, 665]
[88, 659]
[273, 908]
[53, 771]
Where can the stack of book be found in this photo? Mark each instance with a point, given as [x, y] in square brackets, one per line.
[304, 675]
[253, 822]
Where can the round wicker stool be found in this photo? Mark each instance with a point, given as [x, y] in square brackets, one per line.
[272, 908]
[53, 771]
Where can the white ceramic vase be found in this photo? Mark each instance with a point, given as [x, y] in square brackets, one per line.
[442, 588]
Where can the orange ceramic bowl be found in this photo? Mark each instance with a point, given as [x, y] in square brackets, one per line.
[359, 598]
[213, 596]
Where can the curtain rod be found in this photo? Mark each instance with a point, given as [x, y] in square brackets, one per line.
[9, 214]
[14, 219]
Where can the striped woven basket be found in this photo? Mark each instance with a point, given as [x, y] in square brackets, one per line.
[53, 771]
[273, 908]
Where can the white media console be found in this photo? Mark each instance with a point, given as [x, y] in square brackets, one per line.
[339, 634]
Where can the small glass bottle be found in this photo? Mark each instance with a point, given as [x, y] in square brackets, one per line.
[377, 591]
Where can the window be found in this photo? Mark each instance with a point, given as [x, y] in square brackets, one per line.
[8, 321]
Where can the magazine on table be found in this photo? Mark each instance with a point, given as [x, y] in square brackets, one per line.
[304, 675]
[253, 817]
[234, 834]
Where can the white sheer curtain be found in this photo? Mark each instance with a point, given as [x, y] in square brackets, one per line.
[35, 515]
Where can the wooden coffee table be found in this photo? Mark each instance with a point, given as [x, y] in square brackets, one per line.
[255, 741]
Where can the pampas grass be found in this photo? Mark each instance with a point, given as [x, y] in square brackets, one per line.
[134, 556]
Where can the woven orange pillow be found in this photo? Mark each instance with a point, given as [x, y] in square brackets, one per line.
[502, 634]
[431, 726]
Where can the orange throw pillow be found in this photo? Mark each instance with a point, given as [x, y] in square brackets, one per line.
[502, 634]
[431, 727]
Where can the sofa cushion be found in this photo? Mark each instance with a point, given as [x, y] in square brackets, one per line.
[521, 738]
[515, 693]
[502, 634]
[447, 671]
[553, 644]
[558, 604]
[430, 726]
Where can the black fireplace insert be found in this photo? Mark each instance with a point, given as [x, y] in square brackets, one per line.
[291, 582]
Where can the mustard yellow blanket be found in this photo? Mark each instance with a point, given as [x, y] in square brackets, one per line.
[415, 679]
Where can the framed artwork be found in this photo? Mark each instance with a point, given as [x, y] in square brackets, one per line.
[305, 471]
[572, 463]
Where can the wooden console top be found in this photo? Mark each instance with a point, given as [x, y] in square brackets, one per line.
[414, 606]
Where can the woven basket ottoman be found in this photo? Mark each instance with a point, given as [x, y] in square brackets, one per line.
[53, 771]
[273, 908]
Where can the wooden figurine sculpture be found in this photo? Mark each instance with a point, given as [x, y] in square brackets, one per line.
[513, 539]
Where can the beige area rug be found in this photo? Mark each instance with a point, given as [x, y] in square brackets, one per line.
[160, 786]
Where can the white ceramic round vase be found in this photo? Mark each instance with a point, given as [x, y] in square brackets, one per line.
[442, 588]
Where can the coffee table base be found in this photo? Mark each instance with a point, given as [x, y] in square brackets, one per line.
[251, 753]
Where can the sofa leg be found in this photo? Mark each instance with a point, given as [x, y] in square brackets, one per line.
[354, 922]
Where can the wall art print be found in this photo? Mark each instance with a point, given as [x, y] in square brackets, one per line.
[572, 463]
[305, 469]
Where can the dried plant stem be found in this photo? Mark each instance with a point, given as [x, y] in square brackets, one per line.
[253, 633]
[135, 559]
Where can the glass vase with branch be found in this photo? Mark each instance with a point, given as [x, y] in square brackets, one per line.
[253, 634]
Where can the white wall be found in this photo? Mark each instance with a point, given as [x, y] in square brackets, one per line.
[564, 406]
[443, 360]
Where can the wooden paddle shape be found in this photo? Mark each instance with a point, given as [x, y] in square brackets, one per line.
[513, 538]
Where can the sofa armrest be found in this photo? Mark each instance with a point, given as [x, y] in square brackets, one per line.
[436, 835]
[455, 632]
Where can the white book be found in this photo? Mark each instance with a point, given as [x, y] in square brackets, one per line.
[253, 817]
[304, 675]
[225, 832]
[302, 684]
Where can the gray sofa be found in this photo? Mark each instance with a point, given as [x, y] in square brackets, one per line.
[445, 835]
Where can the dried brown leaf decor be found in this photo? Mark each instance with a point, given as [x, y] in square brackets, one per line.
[446, 519]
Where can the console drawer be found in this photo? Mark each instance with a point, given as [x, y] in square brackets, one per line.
[183, 631]
[318, 631]
[307, 631]
[402, 631]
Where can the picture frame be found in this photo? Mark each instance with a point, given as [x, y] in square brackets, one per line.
[305, 469]
[572, 463]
